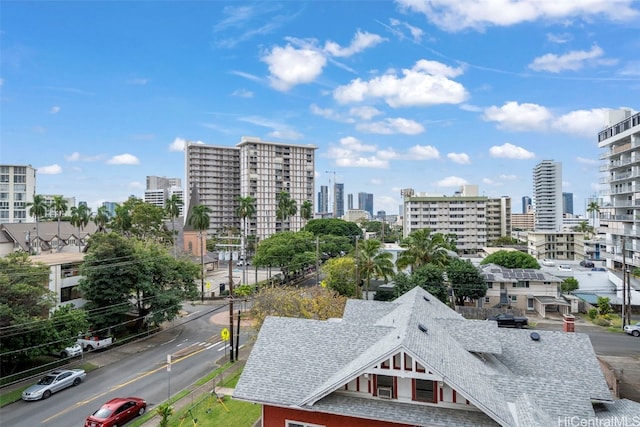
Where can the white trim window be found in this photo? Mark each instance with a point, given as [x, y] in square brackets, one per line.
[289, 423]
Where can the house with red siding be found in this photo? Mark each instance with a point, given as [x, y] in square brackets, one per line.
[416, 362]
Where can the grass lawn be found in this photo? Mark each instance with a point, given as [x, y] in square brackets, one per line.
[209, 413]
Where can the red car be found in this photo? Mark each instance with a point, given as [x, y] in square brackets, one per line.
[117, 412]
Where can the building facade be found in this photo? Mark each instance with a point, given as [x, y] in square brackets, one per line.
[526, 204]
[349, 201]
[256, 168]
[620, 214]
[338, 195]
[17, 188]
[556, 245]
[161, 188]
[365, 202]
[323, 199]
[475, 220]
[547, 197]
[50, 213]
[567, 203]
[523, 222]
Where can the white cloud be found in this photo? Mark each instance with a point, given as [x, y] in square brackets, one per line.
[50, 170]
[138, 81]
[574, 60]
[365, 112]
[510, 151]
[519, 117]
[416, 33]
[460, 158]
[54, 110]
[290, 66]
[488, 181]
[508, 177]
[427, 83]
[329, 114]
[242, 93]
[355, 144]
[376, 181]
[123, 159]
[559, 38]
[289, 134]
[478, 14]
[360, 42]
[136, 185]
[392, 126]
[631, 69]
[452, 181]
[179, 144]
[586, 161]
[423, 152]
[77, 157]
[586, 123]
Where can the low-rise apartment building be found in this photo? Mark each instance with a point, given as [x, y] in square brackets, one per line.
[556, 245]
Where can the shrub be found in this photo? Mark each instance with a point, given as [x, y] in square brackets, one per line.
[592, 313]
[602, 322]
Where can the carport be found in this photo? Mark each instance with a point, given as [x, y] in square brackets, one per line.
[546, 304]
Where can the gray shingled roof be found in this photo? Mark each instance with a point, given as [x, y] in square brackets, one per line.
[511, 378]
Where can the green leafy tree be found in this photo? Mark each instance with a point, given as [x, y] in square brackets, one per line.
[429, 277]
[373, 261]
[102, 218]
[511, 259]
[172, 210]
[199, 220]
[286, 207]
[335, 245]
[67, 321]
[291, 252]
[340, 276]
[59, 206]
[333, 226]
[424, 247]
[506, 241]
[121, 222]
[306, 210]
[147, 222]
[24, 299]
[604, 306]
[307, 303]
[165, 411]
[466, 281]
[80, 217]
[569, 284]
[37, 209]
[110, 272]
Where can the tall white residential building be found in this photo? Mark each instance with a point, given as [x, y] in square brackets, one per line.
[50, 212]
[255, 168]
[547, 195]
[268, 168]
[160, 188]
[475, 220]
[17, 188]
[620, 213]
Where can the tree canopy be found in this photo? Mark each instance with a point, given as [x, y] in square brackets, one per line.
[340, 275]
[373, 261]
[511, 259]
[429, 277]
[466, 281]
[424, 247]
[334, 226]
[289, 251]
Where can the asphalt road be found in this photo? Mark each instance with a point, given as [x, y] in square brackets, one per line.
[140, 371]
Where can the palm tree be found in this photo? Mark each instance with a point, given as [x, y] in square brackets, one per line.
[38, 210]
[59, 206]
[172, 209]
[122, 221]
[422, 247]
[199, 220]
[246, 210]
[372, 261]
[80, 217]
[306, 210]
[594, 209]
[101, 218]
[286, 206]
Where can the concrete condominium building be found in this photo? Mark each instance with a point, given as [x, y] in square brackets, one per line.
[620, 212]
[475, 220]
[17, 188]
[255, 168]
[547, 195]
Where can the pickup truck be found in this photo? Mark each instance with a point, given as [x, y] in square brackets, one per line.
[94, 342]
[506, 320]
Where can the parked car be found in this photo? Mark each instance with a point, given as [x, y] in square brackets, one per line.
[588, 264]
[54, 382]
[564, 267]
[548, 262]
[598, 269]
[117, 412]
[93, 342]
[633, 329]
[241, 263]
[71, 351]
[508, 320]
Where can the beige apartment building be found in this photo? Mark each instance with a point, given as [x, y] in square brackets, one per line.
[475, 220]
[568, 246]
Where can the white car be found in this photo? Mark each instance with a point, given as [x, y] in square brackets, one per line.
[633, 329]
[71, 351]
[564, 267]
[548, 262]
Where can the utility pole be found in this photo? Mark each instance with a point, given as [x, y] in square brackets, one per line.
[357, 264]
[231, 299]
[335, 203]
[624, 282]
[317, 260]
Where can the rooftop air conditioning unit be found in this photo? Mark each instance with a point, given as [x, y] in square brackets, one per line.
[385, 392]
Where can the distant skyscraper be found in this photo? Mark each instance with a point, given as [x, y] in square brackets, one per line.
[17, 188]
[161, 188]
[567, 203]
[526, 204]
[323, 199]
[350, 202]
[338, 195]
[365, 202]
[547, 188]
[111, 208]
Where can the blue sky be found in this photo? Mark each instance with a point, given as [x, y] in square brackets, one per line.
[410, 93]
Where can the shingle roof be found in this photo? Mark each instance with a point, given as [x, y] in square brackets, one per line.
[511, 378]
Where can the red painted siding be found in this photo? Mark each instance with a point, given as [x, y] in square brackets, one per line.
[275, 417]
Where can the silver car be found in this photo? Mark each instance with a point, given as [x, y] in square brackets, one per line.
[53, 382]
[633, 329]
